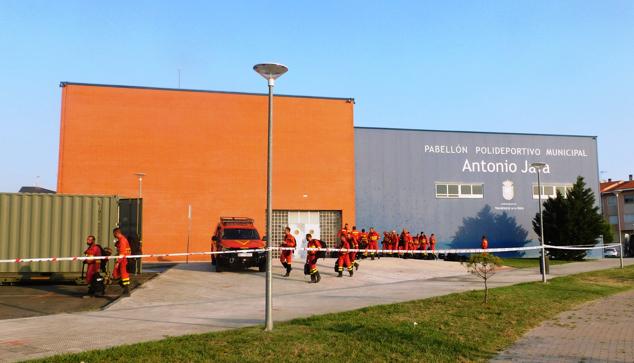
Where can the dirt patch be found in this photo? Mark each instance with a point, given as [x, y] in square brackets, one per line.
[37, 299]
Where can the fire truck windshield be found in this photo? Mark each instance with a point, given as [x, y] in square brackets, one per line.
[240, 233]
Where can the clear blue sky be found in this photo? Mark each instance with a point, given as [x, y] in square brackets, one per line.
[564, 67]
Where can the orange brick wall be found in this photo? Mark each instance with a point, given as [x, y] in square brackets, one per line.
[207, 149]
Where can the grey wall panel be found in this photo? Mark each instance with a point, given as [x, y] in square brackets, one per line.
[396, 172]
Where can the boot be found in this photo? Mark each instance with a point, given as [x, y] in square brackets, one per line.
[126, 290]
[313, 278]
[351, 271]
[288, 270]
[285, 265]
[340, 274]
[356, 265]
[317, 277]
[372, 258]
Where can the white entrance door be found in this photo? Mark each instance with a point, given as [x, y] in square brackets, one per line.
[301, 223]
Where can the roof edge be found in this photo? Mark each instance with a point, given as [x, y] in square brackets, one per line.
[65, 83]
[472, 132]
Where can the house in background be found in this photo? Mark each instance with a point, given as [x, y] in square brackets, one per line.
[617, 200]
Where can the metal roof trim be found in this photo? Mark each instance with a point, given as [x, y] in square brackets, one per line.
[64, 84]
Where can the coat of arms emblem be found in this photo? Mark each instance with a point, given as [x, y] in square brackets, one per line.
[508, 191]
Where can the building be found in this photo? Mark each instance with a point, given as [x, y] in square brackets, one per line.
[207, 150]
[462, 185]
[35, 189]
[617, 199]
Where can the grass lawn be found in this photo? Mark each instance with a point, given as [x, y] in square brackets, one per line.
[451, 328]
[529, 262]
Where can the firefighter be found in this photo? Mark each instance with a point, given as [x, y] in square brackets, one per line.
[432, 244]
[395, 241]
[424, 244]
[403, 243]
[414, 246]
[484, 244]
[353, 239]
[311, 258]
[364, 242]
[286, 257]
[344, 257]
[343, 231]
[409, 241]
[120, 267]
[387, 241]
[373, 243]
[94, 266]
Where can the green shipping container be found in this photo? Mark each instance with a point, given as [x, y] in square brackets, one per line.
[52, 225]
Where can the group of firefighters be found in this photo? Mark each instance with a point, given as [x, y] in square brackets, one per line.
[353, 239]
[120, 271]
[348, 239]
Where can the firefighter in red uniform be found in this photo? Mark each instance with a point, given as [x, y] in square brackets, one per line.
[432, 244]
[392, 238]
[120, 267]
[354, 238]
[94, 266]
[311, 258]
[414, 246]
[344, 257]
[373, 242]
[408, 243]
[404, 243]
[395, 241]
[424, 244]
[286, 257]
[343, 231]
[387, 241]
[364, 243]
[484, 244]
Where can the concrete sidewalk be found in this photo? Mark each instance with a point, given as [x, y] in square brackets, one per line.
[598, 331]
[190, 299]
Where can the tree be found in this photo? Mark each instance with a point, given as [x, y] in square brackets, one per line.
[573, 219]
[501, 229]
[484, 266]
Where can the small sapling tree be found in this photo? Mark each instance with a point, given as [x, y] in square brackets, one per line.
[483, 265]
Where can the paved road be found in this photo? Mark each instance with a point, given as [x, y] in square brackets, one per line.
[599, 331]
[191, 299]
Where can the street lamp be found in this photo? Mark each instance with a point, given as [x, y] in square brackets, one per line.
[538, 166]
[270, 72]
[140, 176]
[138, 215]
[618, 225]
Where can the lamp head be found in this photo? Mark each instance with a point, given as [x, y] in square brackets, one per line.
[538, 165]
[270, 71]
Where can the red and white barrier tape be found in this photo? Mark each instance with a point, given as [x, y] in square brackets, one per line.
[582, 248]
[438, 251]
[358, 250]
[150, 255]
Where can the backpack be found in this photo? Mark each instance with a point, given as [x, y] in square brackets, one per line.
[104, 252]
[321, 254]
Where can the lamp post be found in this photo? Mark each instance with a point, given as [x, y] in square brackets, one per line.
[140, 176]
[270, 72]
[138, 215]
[538, 166]
[618, 226]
